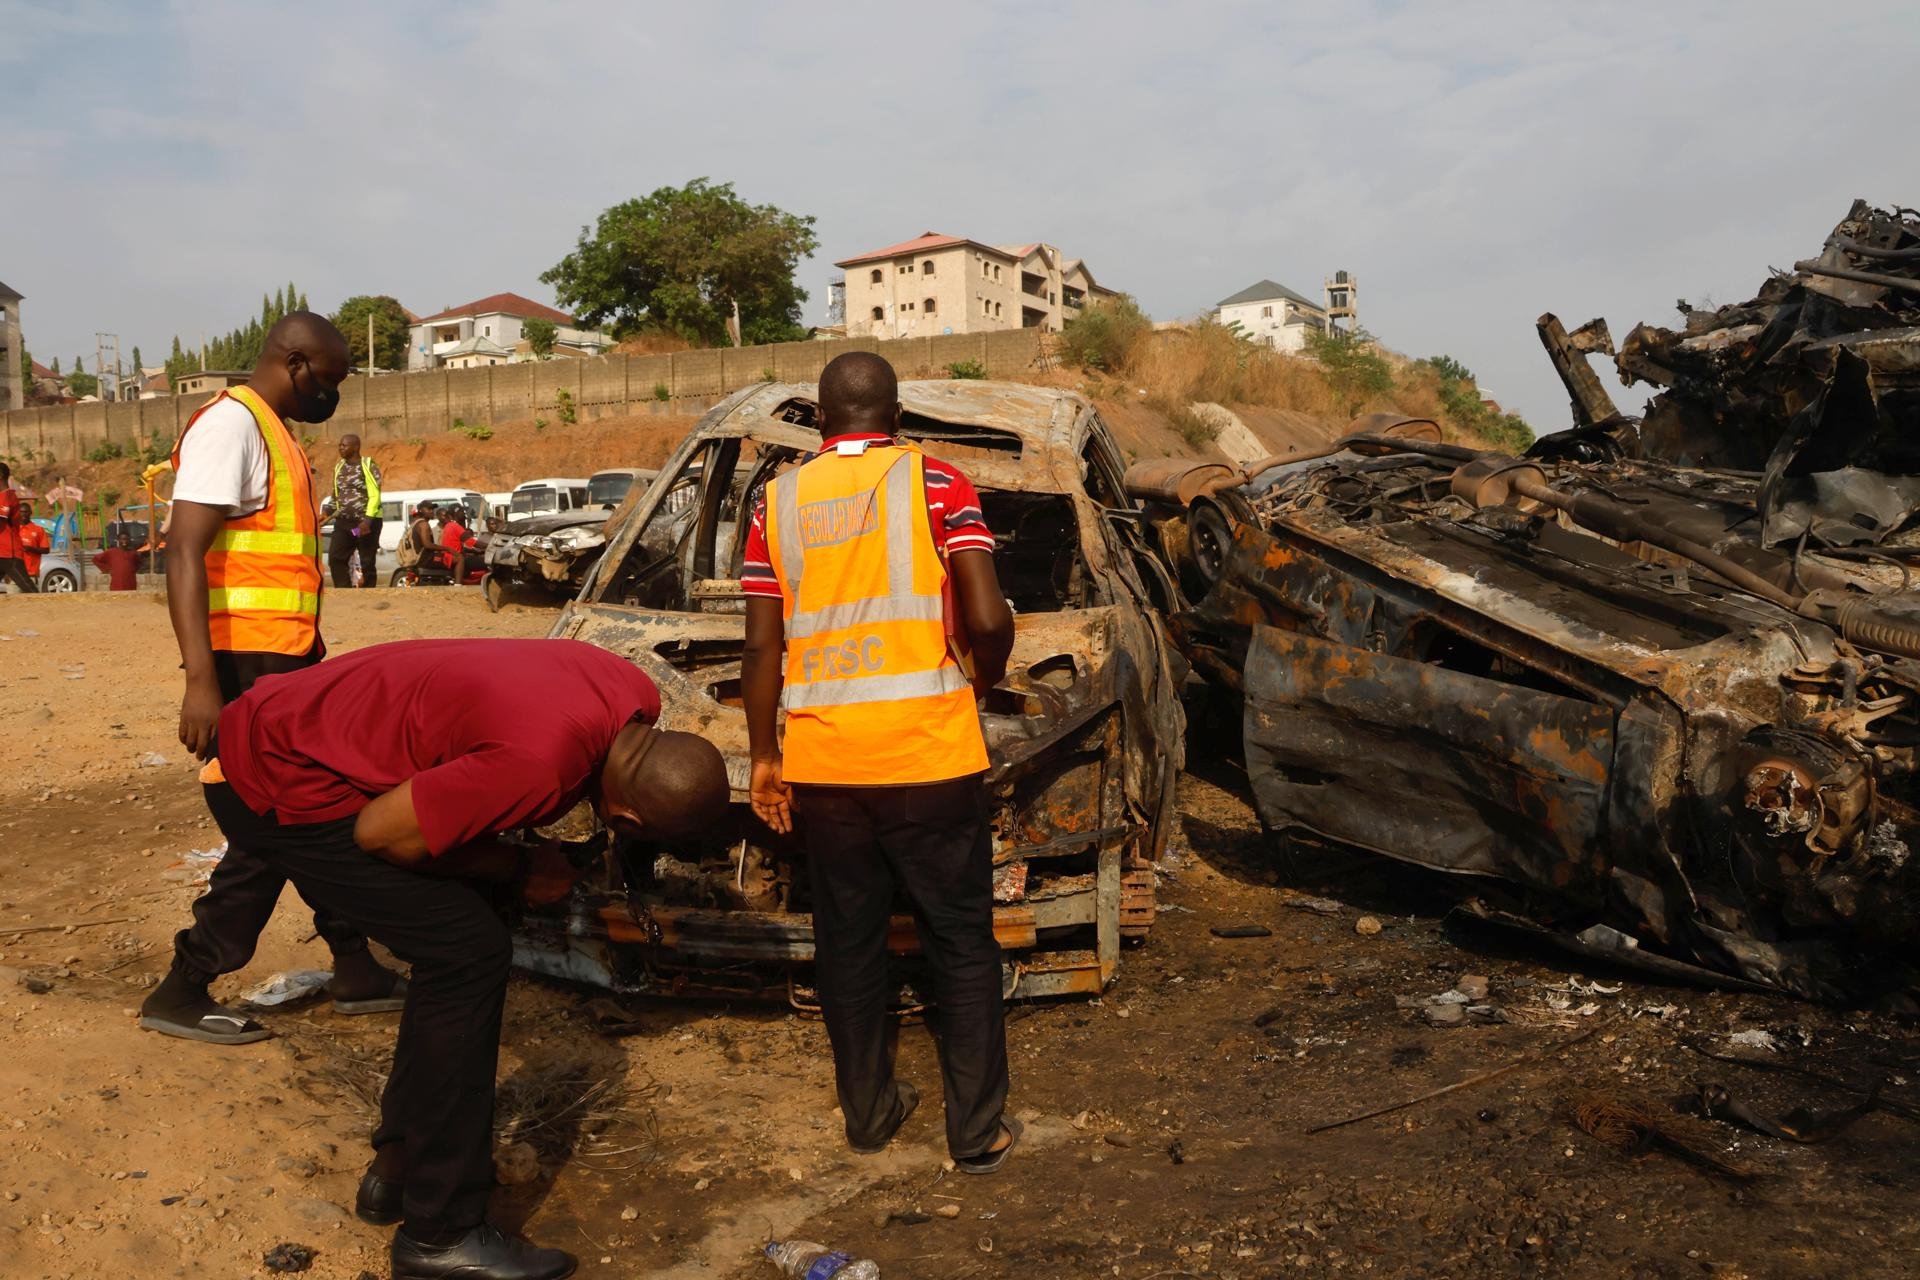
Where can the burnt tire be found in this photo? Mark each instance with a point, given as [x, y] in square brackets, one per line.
[1209, 538]
[494, 592]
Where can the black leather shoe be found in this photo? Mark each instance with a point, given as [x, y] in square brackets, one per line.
[481, 1254]
[378, 1200]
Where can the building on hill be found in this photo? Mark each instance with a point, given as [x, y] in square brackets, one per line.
[13, 386]
[498, 319]
[1273, 314]
[935, 284]
[475, 352]
[200, 380]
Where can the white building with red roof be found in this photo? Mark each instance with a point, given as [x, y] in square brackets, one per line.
[936, 284]
[489, 331]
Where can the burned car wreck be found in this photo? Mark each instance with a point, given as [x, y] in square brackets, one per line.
[1084, 734]
[551, 556]
[1661, 709]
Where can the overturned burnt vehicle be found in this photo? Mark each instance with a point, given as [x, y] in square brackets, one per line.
[1084, 734]
[1663, 711]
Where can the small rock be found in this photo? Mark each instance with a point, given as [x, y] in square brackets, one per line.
[516, 1165]
[1444, 1015]
[1473, 986]
[881, 1219]
[196, 1202]
[36, 986]
[1117, 1139]
[12, 1196]
[288, 1257]
[947, 1211]
[703, 1184]
[298, 1166]
[320, 1213]
[88, 1224]
[1366, 926]
[629, 1213]
[796, 1175]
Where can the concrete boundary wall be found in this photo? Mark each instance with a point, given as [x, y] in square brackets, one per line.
[401, 406]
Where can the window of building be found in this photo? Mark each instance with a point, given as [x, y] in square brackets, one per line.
[929, 306]
[926, 268]
[986, 308]
[996, 271]
[879, 313]
[996, 309]
[984, 269]
[1266, 313]
[875, 277]
[906, 306]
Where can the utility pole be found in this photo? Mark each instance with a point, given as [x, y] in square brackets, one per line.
[100, 363]
[369, 342]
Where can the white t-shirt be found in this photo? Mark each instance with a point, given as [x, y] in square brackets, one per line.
[223, 461]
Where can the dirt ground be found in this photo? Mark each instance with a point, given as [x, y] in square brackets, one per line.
[1165, 1123]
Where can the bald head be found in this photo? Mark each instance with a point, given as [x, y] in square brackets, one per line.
[302, 366]
[663, 783]
[859, 393]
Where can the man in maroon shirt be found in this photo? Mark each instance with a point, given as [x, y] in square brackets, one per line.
[121, 564]
[389, 830]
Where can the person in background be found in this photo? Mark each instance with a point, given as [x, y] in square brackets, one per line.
[34, 541]
[13, 567]
[454, 541]
[121, 564]
[356, 514]
[850, 563]
[243, 592]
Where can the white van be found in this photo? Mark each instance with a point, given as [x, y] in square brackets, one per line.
[396, 505]
[497, 504]
[547, 497]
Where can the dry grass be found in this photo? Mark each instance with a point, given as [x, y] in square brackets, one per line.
[654, 342]
[1628, 1122]
[567, 1111]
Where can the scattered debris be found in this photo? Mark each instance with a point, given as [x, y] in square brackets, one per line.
[1802, 1124]
[947, 1211]
[516, 1164]
[1319, 906]
[1754, 1038]
[1468, 1083]
[287, 988]
[1240, 931]
[154, 760]
[289, 1257]
[1628, 1122]
[1366, 926]
[1177, 1152]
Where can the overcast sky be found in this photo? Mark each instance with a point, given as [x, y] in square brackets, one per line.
[1473, 164]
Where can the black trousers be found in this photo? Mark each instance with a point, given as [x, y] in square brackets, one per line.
[342, 545]
[932, 842]
[242, 892]
[439, 1098]
[14, 570]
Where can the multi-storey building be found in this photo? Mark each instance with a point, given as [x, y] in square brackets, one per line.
[935, 284]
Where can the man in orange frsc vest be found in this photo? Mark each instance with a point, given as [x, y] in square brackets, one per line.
[243, 589]
[850, 565]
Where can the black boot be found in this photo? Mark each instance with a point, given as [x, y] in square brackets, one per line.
[481, 1254]
[378, 1199]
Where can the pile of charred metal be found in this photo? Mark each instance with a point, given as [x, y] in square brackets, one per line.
[1655, 684]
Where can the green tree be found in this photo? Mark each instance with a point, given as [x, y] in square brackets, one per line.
[1352, 364]
[1105, 335]
[136, 364]
[389, 330]
[682, 258]
[540, 335]
[56, 366]
[80, 382]
[1460, 396]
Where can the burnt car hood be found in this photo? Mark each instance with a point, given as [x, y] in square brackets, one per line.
[559, 520]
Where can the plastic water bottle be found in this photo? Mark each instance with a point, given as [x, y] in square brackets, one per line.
[805, 1260]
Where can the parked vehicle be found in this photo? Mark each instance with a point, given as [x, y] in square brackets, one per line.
[1085, 734]
[548, 557]
[59, 572]
[546, 497]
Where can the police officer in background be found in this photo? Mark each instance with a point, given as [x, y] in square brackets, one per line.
[356, 514]
[849, 563]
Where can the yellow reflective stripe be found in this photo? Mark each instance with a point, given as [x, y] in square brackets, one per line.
[262, 600]
[267, 542]
[283, 515]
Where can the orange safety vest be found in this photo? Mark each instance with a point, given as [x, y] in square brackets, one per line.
[263, 569]
[873, 696]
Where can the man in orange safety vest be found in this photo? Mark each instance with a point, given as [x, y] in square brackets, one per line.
[849, 565]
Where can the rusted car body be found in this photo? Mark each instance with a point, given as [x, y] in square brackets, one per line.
[1662, 710]
[1084, 734]
[1658, 765]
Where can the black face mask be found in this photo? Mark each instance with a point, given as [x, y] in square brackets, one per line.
[316, 405]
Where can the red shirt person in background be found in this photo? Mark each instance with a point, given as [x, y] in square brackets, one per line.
[12, 567]
[121, 564]
[456, 543]
[34, 541]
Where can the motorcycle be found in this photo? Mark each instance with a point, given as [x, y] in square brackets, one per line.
[438, 572]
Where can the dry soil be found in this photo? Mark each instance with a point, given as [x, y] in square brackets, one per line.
[1165, 1123]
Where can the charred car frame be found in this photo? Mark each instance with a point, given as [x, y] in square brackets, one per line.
[1084, 734]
